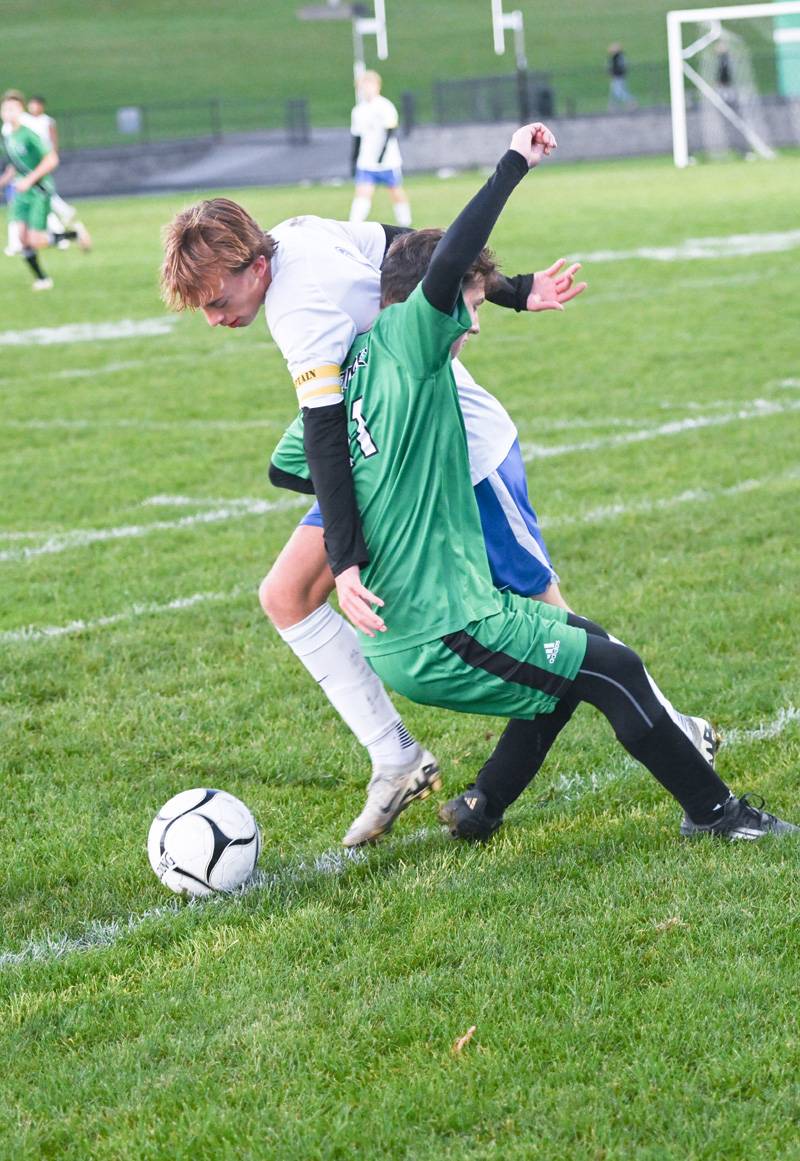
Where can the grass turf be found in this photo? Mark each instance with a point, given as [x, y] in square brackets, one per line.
[174, 59]
[633, 996]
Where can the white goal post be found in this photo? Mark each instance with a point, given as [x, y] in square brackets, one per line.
[680, 70]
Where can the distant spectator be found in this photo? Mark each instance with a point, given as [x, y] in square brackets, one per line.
[724, 72]
[618, 93]
[375, 156]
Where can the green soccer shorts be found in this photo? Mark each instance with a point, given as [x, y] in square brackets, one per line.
[514, 664]
[32, 208]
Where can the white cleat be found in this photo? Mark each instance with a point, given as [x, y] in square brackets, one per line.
[704, 737]
[43, 284]
[388, 794]
[84, 237]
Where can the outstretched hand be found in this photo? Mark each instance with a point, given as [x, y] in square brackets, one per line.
[553, 287]
[355, 601]
[534, 142]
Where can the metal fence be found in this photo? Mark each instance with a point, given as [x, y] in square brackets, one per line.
[211, 120]
[557, 93]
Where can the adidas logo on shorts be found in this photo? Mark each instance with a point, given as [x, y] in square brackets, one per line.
[551, 649]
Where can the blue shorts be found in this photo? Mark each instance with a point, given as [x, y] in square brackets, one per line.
[388, 177]
[518, 558]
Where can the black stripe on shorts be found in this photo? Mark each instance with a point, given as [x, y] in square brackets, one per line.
[504, 666]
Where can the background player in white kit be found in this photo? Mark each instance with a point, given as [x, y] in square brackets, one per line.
[375, 156]
[319, 281]
[62, 214]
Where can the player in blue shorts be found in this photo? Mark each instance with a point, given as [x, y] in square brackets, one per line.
[454, 641]
[376, 153]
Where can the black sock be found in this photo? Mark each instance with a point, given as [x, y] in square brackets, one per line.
[518, 757]
[32, 259]
[67, 235]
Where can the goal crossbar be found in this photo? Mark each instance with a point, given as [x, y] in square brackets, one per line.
[680, 70]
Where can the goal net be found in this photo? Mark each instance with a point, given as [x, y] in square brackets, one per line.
[734, 79]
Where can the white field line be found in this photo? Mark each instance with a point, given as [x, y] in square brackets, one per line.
[32, 633]
[125, 328]
[83, 537]
[247, 506]
[146, 609]
[755, 409]
[690, 496]
[140, 424]
[335, 861]
[730, 246]
[224, 351]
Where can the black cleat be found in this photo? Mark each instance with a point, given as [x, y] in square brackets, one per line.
[741, 818]
[466, 817]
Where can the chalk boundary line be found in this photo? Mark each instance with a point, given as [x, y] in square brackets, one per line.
[101, 934]
[33, 633]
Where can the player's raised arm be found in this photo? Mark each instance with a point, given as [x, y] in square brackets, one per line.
[470, 232]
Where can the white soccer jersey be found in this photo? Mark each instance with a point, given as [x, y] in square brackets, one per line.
[325, 290]
[31, 123]
[490, 429]
[370, 121]
[41, 125]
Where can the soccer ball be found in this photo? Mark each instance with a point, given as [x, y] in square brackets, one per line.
[203, 841]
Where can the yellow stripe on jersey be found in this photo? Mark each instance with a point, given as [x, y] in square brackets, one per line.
[318, 381]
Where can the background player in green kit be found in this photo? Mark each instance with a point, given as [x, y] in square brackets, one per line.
[451, 639]
[31, 161]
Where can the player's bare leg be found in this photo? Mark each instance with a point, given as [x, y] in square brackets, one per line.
[294, 595]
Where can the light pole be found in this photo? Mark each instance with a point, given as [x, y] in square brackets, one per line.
[364, 25]
[513, 22]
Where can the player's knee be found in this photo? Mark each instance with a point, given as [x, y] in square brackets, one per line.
[285, 602]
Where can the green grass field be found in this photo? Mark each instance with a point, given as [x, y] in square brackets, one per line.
[163, 53]
[633, 996]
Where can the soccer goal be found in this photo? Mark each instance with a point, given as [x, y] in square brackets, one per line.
[742, 65]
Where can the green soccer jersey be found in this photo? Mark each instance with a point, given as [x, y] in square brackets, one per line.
[409, 452]
[25, 150]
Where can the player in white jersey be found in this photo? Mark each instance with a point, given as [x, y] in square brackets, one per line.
[375, 158]
[63, 214]
[319, 281]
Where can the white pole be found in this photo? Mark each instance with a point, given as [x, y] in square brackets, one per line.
[680, 143]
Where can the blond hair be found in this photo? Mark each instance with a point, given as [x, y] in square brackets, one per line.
[202, 244]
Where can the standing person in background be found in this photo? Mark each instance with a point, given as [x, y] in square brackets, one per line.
[618, 93]
[31, 161]
[376, 154]
[62, 213]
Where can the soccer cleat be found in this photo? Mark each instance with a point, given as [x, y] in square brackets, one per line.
[388, 794]
[84, 237]
[741, 818]
[704, 736]
[466, 817]
[43, 284]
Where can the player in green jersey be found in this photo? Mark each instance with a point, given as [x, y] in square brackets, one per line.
[451, 639]
[31, 161]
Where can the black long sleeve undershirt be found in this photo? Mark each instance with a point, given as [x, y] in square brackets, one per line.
[354, 151]
[469, 233]
[327, 447]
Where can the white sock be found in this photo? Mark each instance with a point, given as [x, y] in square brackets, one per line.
[13, 236]
[402, 213]
[66, 213]
[360, 208]
[328, 648]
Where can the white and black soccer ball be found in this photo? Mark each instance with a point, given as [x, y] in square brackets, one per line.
[203, 841]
